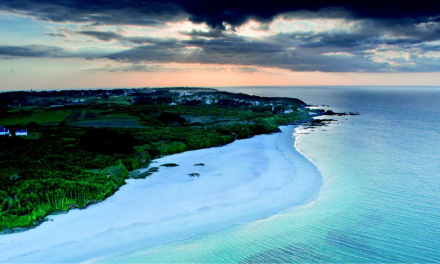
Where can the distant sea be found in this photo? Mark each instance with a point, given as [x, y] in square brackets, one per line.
[380, 201]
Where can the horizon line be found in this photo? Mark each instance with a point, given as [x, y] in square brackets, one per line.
[229, 86]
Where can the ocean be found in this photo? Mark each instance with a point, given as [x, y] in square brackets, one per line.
[380, 198]
[369, 191]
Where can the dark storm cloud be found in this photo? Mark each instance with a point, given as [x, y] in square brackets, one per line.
[205, 34]
[428, 48]
[95, 11]
[367, 35]
[102, 35]
[43, 51]
[246, 53]
[324, 51]
[214, 13]
[110, 35]
[31, 51]
[236, 45]
[56, 35]
[340, 51]
[383, 26]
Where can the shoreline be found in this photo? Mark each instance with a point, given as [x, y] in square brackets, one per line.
[232, 188]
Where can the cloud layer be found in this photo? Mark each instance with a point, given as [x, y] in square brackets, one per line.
[328, 36]
[215, 14]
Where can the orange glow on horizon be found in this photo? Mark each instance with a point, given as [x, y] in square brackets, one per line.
[231, 78]
[200, 75]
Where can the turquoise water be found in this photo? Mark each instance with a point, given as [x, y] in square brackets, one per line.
[380, 201]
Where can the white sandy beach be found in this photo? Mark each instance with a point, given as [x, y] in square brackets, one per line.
[241, 182]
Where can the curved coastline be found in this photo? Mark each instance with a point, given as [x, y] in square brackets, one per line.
[244, 181]
[299, 132]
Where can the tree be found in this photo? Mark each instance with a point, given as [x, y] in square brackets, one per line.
[102, 140]
[32, 124]
[171, 118]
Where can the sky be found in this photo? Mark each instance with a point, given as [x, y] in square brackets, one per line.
[59, 44]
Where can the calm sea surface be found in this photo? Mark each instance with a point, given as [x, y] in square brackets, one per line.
[380, 201]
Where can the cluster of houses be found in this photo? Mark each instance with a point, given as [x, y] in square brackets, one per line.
[19, 132]
[59, 103]
[77, 101]
[210, 99]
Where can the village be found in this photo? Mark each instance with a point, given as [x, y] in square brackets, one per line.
[21, 108]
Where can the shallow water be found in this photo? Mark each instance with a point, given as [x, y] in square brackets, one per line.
[380, 201]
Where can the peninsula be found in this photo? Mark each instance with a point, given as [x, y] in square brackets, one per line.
[80, 146]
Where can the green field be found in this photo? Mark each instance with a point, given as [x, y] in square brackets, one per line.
[116, 100]
[39, 117]
[17, 109]
[118, 121]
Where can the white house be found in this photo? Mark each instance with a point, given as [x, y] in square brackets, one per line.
[21, 132]
[3, 131]
[184, 93]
